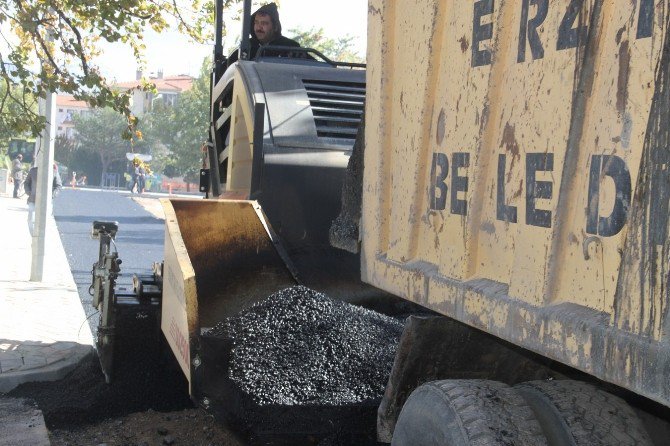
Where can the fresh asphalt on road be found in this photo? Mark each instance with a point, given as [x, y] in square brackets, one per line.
[139, 241]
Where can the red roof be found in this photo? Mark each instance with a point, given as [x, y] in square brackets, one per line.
[175, 84]
[63, 100]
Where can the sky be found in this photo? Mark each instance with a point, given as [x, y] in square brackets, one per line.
[172, 52]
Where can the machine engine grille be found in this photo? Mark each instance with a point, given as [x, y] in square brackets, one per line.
[337, 107]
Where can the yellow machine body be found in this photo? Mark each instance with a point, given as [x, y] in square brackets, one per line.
[516, 174]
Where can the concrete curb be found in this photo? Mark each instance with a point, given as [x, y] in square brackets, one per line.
[51, 372]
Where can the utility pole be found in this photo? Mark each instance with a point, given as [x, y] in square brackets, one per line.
[44, 159]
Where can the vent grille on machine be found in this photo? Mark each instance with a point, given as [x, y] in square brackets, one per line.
[337, 107]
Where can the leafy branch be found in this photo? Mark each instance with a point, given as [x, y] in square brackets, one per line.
[53, 45]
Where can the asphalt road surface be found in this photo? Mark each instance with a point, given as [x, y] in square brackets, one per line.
[139, 241]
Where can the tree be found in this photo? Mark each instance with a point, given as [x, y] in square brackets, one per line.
[64, 38]
[339, 49]
[192, 113]
[183, 128]
[64, 150]
[11, 122]
[99, 133]
[11, 125]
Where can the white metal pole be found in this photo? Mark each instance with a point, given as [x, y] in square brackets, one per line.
[44, 158]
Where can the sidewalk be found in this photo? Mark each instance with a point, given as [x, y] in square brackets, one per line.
[43, 328]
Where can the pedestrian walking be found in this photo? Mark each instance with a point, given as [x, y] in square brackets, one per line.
[141, 179]
[31, 189]
[17, 173]
[57, 182]
[135, 174]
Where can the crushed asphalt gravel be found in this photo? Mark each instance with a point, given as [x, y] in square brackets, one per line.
[300, 347]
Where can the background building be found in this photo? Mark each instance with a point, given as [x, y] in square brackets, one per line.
[67, 108]
[168, 90]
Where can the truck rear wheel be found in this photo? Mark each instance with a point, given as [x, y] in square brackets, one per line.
[466, 413]
[576, 413]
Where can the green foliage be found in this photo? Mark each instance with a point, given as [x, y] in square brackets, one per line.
[52, 46]
[12, 123]
[181, 130]
[64, 150]
[3, 155]
[5, 162]
[173, 136]
[99, 133]
[63, 37]
[339, 49]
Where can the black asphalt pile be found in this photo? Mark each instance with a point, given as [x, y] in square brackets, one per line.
[301, 347]
[301, 361]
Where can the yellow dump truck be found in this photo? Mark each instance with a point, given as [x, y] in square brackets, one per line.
[513, 181]
[516, 178]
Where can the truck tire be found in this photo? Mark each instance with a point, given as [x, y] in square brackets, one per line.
[576, 413]
[466, 413]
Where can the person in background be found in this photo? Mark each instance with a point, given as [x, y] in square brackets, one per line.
[57, 182]
[31, 190]
[17, 173]
[141, 179]
[135, 173]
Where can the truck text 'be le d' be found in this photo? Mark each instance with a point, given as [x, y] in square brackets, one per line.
[613, 167]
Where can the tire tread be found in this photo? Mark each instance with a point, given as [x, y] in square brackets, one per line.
[592, 416]
[494, 413]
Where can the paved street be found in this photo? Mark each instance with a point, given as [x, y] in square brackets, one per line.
[44, 330]
[139, 240]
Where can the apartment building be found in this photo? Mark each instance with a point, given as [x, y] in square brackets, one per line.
[67, 108]
[168, 89]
